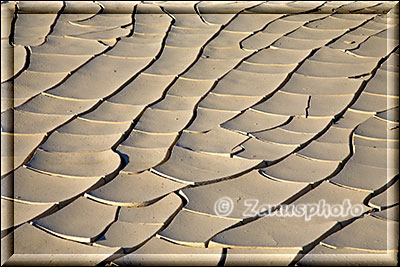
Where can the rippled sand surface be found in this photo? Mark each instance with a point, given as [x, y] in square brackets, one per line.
[155, 133]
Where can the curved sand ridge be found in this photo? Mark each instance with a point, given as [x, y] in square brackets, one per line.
[124, 123]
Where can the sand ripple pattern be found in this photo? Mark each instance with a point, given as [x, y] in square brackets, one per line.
[123, 123]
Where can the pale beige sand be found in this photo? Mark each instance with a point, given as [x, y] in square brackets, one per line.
[155, 133]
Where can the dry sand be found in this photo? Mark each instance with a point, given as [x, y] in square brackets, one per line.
[125, 124]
